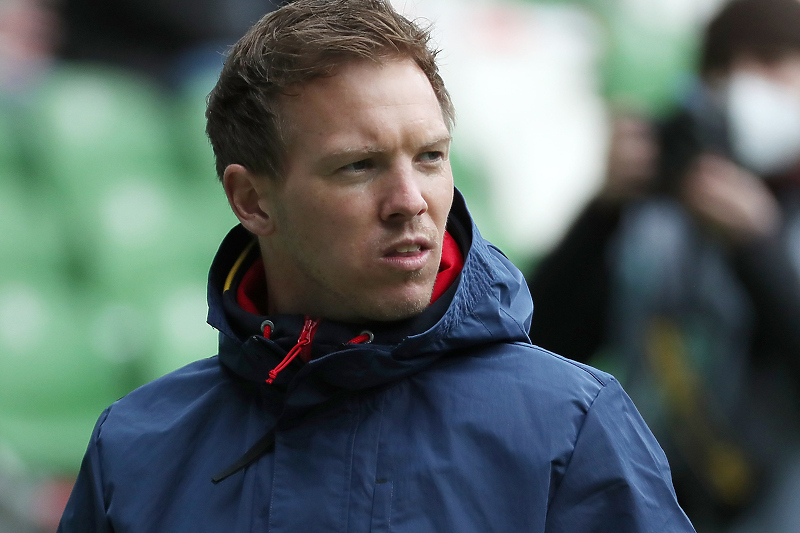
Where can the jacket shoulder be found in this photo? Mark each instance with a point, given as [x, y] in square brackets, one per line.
[172, 410]
[186, 425]
[579, 371]
[543, 370]
[172, 392]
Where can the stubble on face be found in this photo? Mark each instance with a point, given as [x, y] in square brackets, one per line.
[354, 302]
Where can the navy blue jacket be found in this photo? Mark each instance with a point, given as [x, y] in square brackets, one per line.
[451, 422]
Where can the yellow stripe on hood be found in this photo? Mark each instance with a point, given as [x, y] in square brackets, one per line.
[236, 265]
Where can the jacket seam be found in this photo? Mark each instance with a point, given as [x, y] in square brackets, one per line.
[351, 452]
[572, 453]
[585, 368]
[101, 423]
[489, 272]
[391, 500]
[509, 315]
[272, 489]
[484, 326]
[589, 370]
[380, 433]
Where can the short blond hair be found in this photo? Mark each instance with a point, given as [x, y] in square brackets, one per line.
[302, 41]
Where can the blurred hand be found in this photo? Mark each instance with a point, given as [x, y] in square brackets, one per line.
[632, 159]
[730, 199]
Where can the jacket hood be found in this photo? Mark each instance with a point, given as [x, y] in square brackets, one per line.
[488, 303]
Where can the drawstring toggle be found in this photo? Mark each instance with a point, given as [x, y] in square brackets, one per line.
[303, 343]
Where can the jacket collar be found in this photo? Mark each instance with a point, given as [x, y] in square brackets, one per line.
[488, 303]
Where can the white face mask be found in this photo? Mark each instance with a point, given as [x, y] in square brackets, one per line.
[764, 122]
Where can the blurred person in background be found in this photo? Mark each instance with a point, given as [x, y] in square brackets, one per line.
[682, 276]
[166, 40]
[29, 34]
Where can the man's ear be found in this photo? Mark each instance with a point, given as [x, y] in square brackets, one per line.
[247, 195]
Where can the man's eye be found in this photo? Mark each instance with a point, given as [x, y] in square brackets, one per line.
[431, 156]
[357, 166]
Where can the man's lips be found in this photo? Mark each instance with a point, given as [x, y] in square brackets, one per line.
[409, 254]
[408, 247]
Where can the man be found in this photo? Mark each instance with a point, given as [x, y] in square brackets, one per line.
[374, 370]
[683, 275]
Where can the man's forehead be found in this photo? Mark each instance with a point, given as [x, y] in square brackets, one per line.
[352, 80]
[356, 97]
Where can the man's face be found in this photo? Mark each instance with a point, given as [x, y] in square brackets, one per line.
[762, 99]
[784, 70]
[360, 215]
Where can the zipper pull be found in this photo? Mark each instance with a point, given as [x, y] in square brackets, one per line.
[303, 346]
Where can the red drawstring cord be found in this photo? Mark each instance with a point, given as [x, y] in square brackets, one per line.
[364, 337]
[309, 328]
[306, 336]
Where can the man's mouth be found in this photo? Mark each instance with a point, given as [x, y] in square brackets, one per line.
[410, 254]
[407, 249]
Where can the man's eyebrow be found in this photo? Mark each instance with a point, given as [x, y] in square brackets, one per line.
[443, 139]
[367, 151]
[346, 153]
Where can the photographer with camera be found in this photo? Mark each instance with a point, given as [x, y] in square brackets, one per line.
[682, 276]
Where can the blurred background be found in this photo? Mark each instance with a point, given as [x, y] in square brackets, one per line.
[110, 211]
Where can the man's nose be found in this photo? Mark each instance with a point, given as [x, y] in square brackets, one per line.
[403, 194]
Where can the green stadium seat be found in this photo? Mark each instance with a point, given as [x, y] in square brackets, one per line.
[162, 267]
[54, 376]
[8, 141]
[182, 335]
[93, 123]
[189, 126]
[133, 233]
[31, 238]
[104, 260]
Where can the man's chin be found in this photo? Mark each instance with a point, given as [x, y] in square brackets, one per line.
[391, 309]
